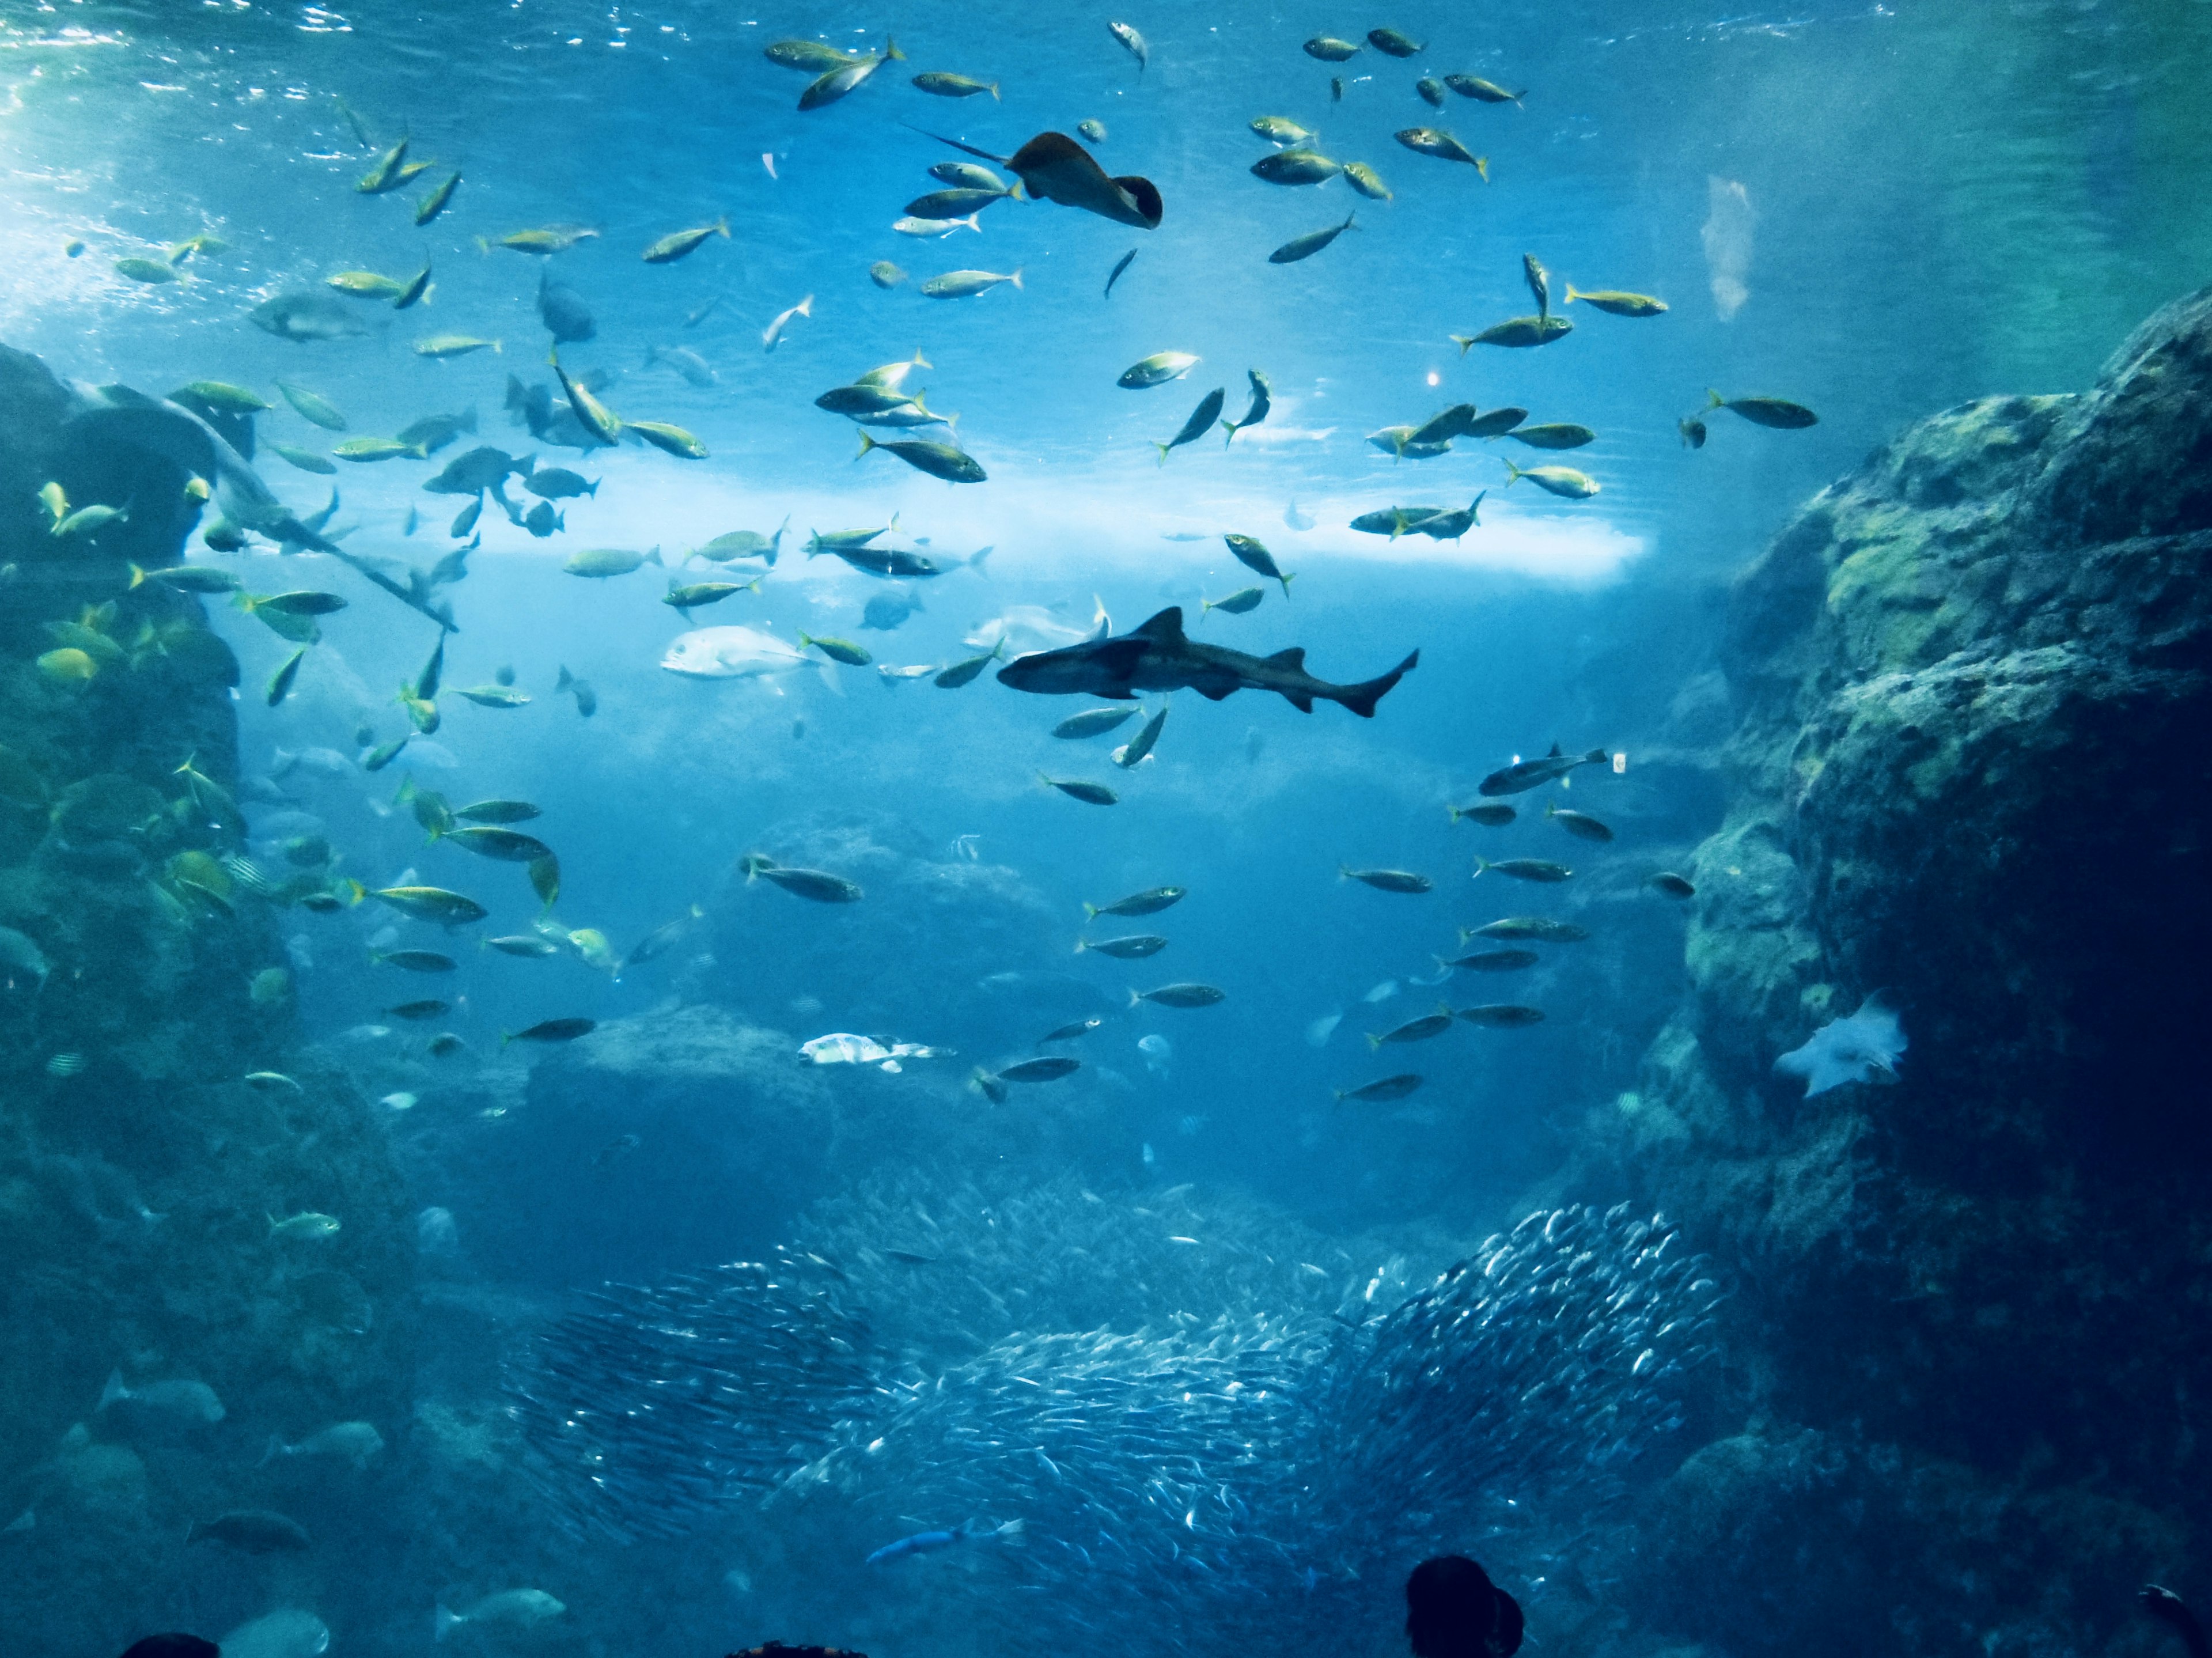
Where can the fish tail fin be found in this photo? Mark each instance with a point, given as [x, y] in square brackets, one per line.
[1090, 911]
[995, 91]
[1229, 426]
[1373, 1043]
[974, 221]
[505, 1037]
[1362, 698]
[276, 1450]
[1512, 472]
[1551, 809]
[137, 577]
[1017, 277]
[891, 49]
[1157, 444]
[1473, 510]
[722, 227]
[654, 557]
[592, 488]
[498, 346]
[1462, 340]
[806, 306]
[1481, 864]
[1348, 220]
[867, 442]
[1134, 998]
[442, 1622]
[1714, 400]
[566, 679]
[1082, 944]
[1286, 580]
[113, 1391]
[1572, 294]
[1453, 813]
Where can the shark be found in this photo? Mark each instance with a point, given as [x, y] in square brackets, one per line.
[1158, 656]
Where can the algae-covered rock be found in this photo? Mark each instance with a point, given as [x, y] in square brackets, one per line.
[1974, 676]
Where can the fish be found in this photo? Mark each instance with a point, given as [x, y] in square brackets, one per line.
[1068, 1033]
[362, 451]
[677, 243]
[1150, 902]
[1414, 1030]
[818, 885]
[221, 397]
[695, 368]
[190, 1401]
[1156, 370]
[1263, 396]
[1283, 132]
[1524, 869]
[523, 945]
[1296, 167]
[600, 562]
[942, 83]
[1395, 44]
[453, 345]
[1051, 1068]
[1581, 825]
[1239, 603]
[1305, 246]
[513, 1609]
[357, 1443]
[1133, 42]
[1139, 747]
[842, 81]
[1252, 555]
[837, 650]
[1482, 91]
[307, 1223]
[940, 460]
[669, 439]
[305, 316]
[1386, 1088]
[1054, 168]
[1134, 947]
[1539, 284]
[1432, 91]
[1668, 884]
[1537, 928]
[741, 544]
[814, 57]
[1197, 425]
[885, 274]
[1387, 880]
[417, 289]
[1180, 995]
[1554, 434]
[1093, 129]
[964, 672]
[1367, 181]
[1439, 526]
[1398, 441]
[495, 840]
[564, 313]
[298, 602]
[1493, 960]
[772, 335]
[1330, 50]
[1518, 332]
[1618, 303]
[426, 1008]
[545, 240]
[432, 904]
[1158, 656]
[558, 484]
[253, 1531]
[1861, 1048]
[1692, 430]
[1562, 481]
[437, 201]
[1490, 816]
[1501, 1016]
[1435, 141]
[954, 204]
[842, 1048]
[661, 939]
[312, 407]
[1091, 794]
[414, 960]
[966, 284]
[550, 1031]
[691, 597]
[1092, 722]
[731, 653]
[909, 226]
[150, 271]
[1525, 774]
[1779, 413]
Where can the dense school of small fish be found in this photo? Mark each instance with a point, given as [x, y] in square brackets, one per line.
[1167, 1486]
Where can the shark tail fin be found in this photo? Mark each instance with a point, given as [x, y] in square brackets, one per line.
[1362, 698]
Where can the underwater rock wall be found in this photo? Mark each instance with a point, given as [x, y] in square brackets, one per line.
[1973, 680]
[142, 980]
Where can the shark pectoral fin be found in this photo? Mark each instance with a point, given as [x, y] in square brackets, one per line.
[1293, 658]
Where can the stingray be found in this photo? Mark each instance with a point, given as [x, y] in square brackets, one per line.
[1054, 168]
[1864, 1048]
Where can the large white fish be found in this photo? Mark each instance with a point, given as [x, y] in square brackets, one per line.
[1027, 627]
[733, 653]
[1862, 1048]
[842, 1048]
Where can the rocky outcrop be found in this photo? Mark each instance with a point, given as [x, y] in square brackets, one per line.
[142, 979]
[1973, 679]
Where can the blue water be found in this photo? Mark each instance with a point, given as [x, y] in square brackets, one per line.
[1874, 211]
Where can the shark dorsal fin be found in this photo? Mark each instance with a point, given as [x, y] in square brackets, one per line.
[1293, 658]
[1165, 628]
[1555, 753]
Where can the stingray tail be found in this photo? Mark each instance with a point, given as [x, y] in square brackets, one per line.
[1001, 160]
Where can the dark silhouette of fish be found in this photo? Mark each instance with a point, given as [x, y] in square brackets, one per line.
[1054, 168]
[1159, 657]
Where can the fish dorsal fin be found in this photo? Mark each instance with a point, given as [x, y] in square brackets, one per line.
[1165, 628]
[1555, 753]
[1293, 658]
